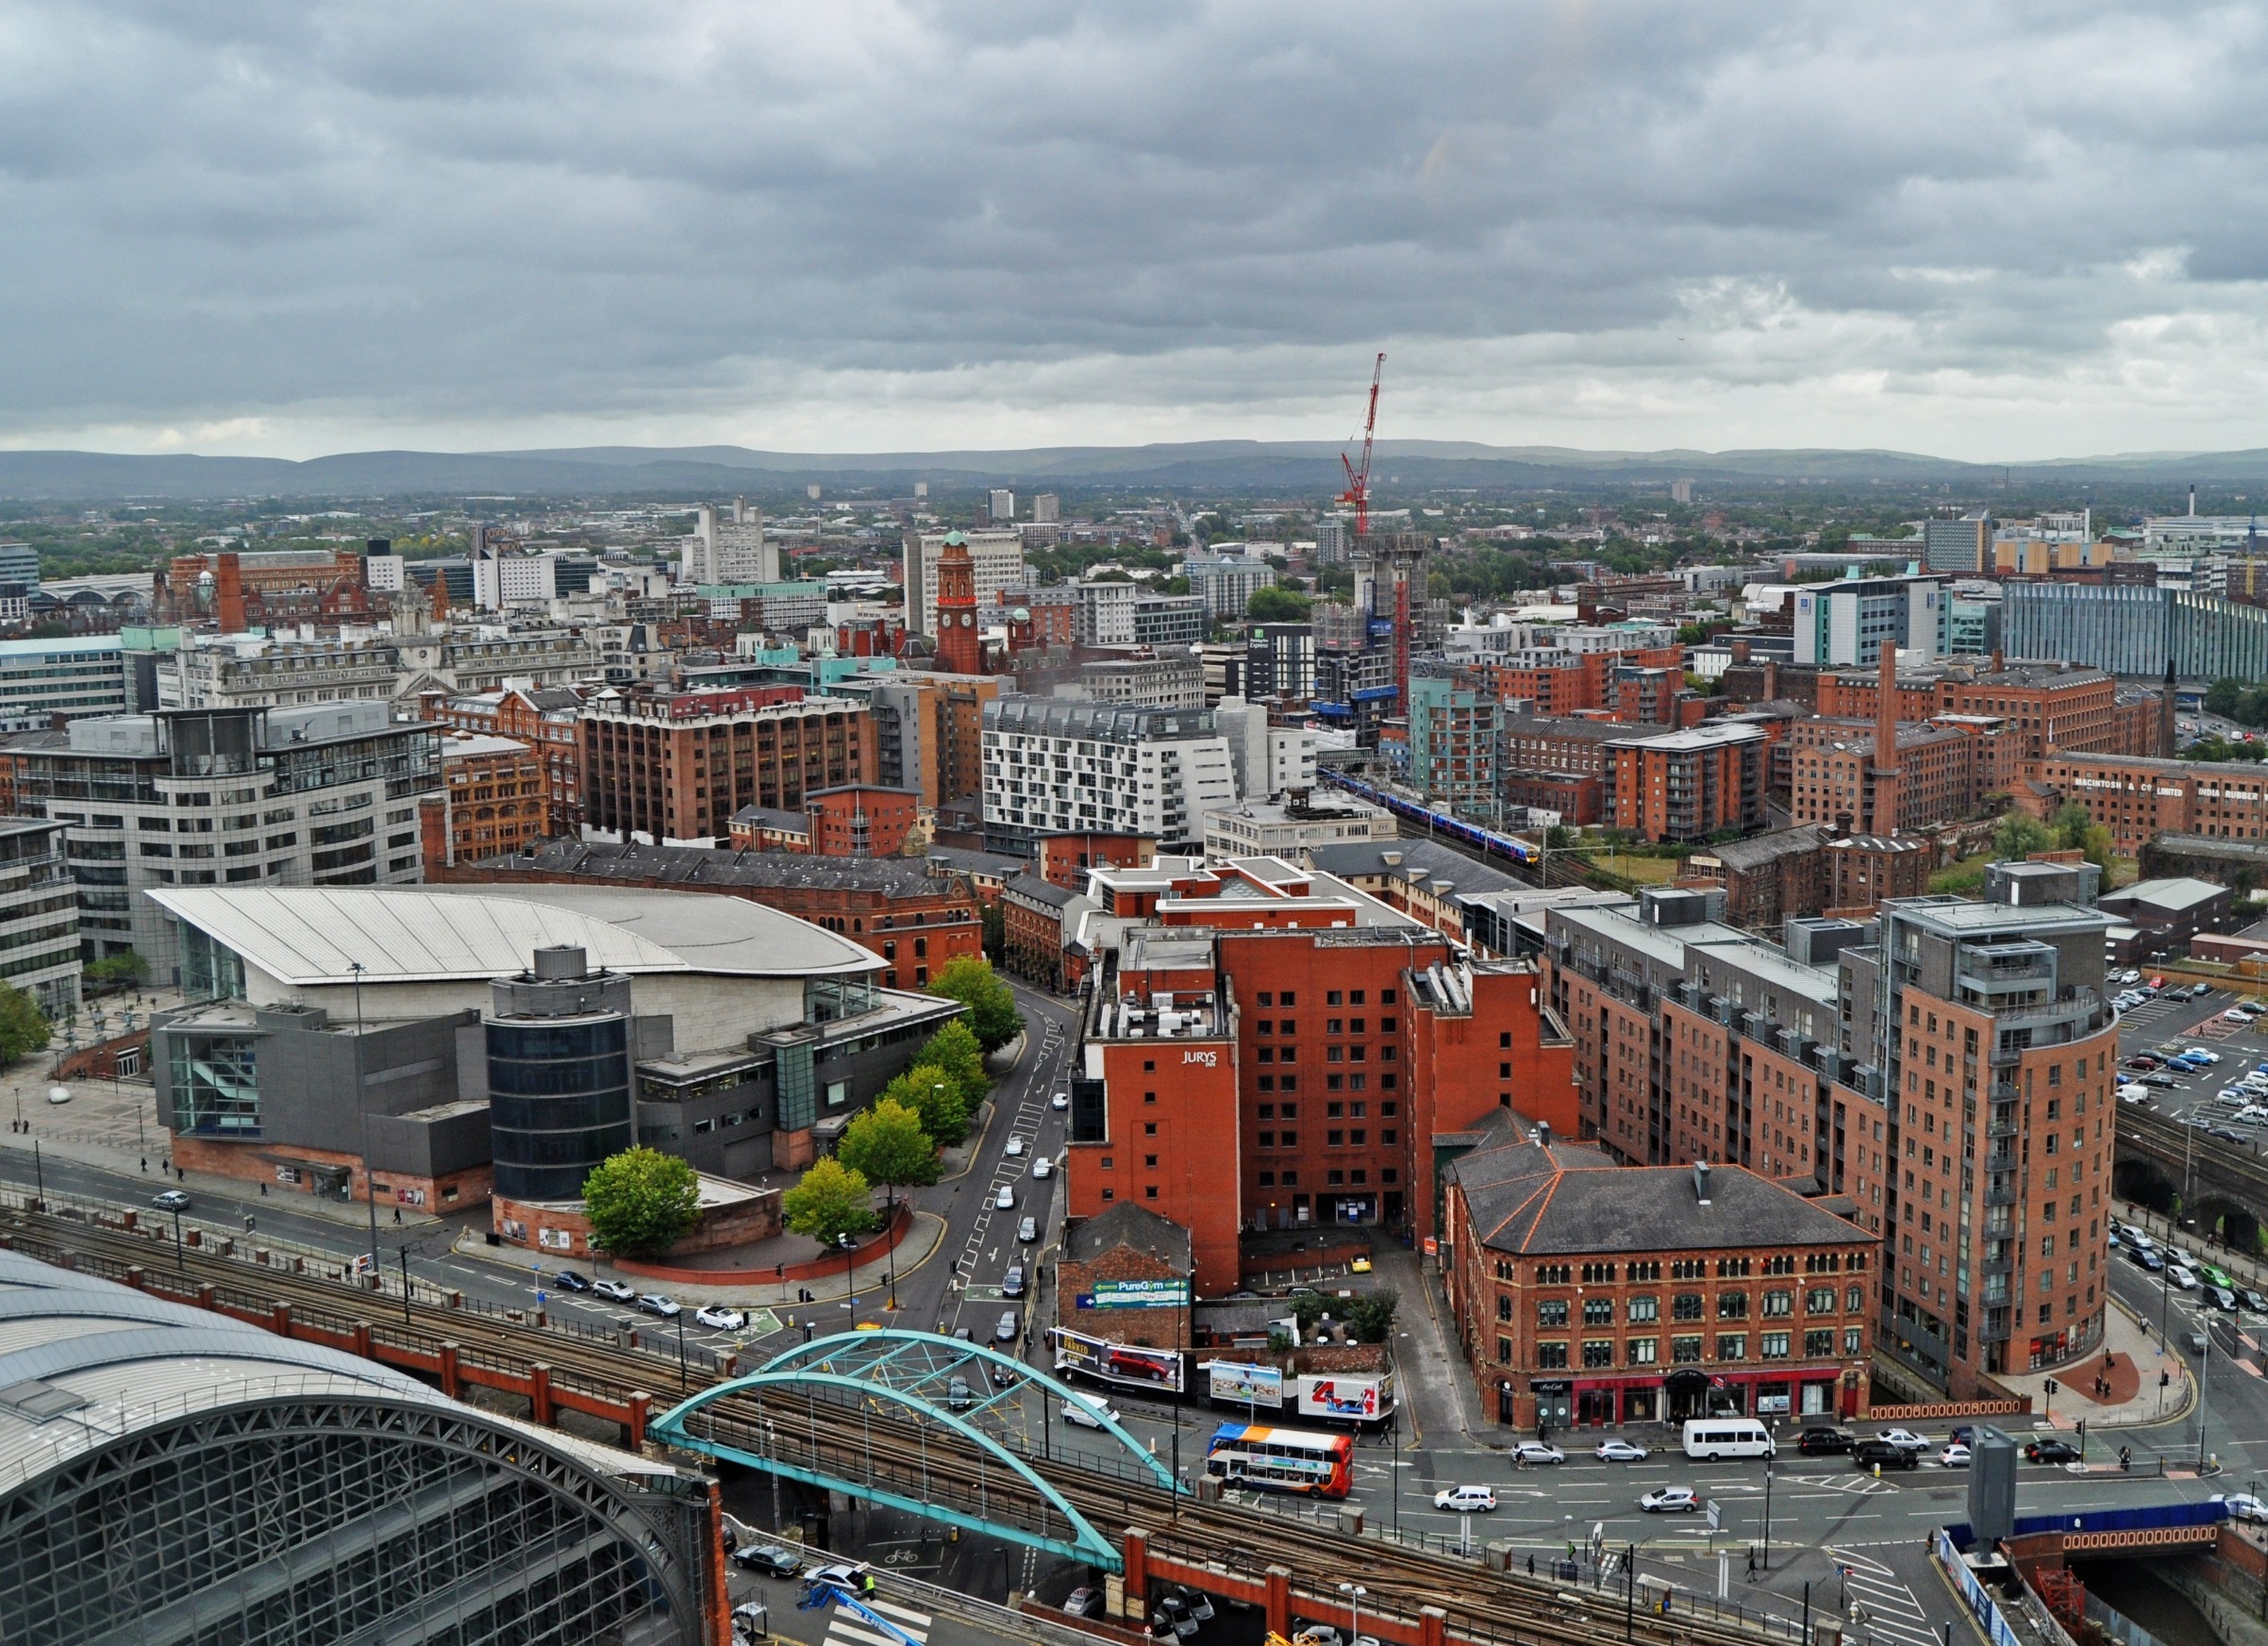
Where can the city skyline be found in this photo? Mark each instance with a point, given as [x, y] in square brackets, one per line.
[1970, 232]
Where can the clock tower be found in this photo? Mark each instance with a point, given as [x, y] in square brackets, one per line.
[959, 650]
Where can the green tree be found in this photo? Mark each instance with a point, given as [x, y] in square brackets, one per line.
[2075, 830]
[889, 1145]
[23, 1028]
[125, 969]
[831, 1201]
[2019, 835]
[2223, 696]
[1370, 1317]
[1277, 605]
[992, 1014]
[954, 1050]
[1306, 1309]
[641, 1203]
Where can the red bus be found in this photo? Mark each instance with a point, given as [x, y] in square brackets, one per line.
[1275, 1459]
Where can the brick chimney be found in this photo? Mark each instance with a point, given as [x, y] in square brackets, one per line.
[229, 593]
[1883, 813]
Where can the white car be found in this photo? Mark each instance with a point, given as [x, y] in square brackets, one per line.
[1620, 1451]
[1670, 1500]
[1905, 1440]
[1041, 1167]
[2180, 1255]
[2242, 1506]
[1535, 1452]
[2202, 1054]
[721, 1318]
[1953, 1456]
[2233, 1016]
[1089, 1411]
[2180, 1278]
[1466, 1500]
[1016, 1147]
[1061, 1101]
[1006, 1199]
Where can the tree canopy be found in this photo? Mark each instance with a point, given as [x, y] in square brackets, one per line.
[641, 1203]
[992, 1014]
[889, 1145]
[2075, 830]
[1277, 605]
[2019, 835]
[23, 1029]
[831, 1201]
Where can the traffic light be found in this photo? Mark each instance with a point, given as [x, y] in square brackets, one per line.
[2051, 1386]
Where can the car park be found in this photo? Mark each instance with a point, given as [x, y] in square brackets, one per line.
[1620, 1451]
[1823, 1442]
[1953, 1456]
[2233, 1016]
[171, 1200]
[1465, 1500]
[2052, 1452]
[2201, 990]
[1029, 1230]
[2159, 1082]
[655, 1303]
[2129, 975]
[721, 1318]
[619, 1291]
[1670, 1500]
[773, 1559]
[1537, 1453]
[1882, 1455]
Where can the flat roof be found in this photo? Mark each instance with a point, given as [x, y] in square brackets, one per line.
[313, 935]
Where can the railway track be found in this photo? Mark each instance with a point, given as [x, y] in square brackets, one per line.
[869, 1440]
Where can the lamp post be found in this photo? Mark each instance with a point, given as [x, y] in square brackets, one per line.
[38, 1177]
[2204, 1357]
[684, 1377]
[181, 1254]
[404, 1254]
[1767, 1561]
[370, 1187]
[850, 1271]
[1354, 1593]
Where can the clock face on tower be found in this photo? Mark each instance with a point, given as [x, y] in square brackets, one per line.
[967, 619]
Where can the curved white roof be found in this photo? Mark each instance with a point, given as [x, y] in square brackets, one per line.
[312, 936]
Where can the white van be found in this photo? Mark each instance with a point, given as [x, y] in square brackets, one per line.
[1715, 1437]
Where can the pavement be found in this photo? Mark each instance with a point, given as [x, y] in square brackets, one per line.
[2135, 1397]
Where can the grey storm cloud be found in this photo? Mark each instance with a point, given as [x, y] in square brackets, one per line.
[498, 215]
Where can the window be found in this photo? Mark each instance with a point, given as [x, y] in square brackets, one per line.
[1688, 1269]
[1554, 1273]
[1330, 997]
[1732, 1306]
[1643, 1351]
[1854, 1301]
[1773, 1346]
[1646, 1270]
[1733, 1345]
[1779, 1305]
[1598, 1274]
[1687, 1306]
[1852, 1337]
[1685, 1350]
[1818, 1345]
[1551, 1357]
[1504, 1351]
[1504, 1306]
[1598, 1350]
[1645, 1308]
[1599, 1311]
[1820, 1300]
[1551, 1311]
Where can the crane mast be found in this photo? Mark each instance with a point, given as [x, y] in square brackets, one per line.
[1358, 479]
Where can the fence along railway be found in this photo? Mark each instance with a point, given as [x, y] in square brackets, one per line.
[849, 1435]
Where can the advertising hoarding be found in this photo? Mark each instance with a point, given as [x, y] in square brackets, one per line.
[1347, 1399]
[1136, 1294]
[1123, 1363]
[1247, 1386]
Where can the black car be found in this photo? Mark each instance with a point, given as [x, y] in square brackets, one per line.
[2052, 1452]
[1873, 1453]
[1824, 1443]
[769, 1559]
[2252, 1299]
[568, 1280]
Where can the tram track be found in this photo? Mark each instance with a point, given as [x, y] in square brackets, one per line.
[873, 1441]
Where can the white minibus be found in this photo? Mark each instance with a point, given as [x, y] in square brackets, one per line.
[1715, 1437]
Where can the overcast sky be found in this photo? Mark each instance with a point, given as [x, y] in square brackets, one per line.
[1988, 231]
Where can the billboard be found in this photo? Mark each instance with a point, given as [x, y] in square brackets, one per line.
[1136, 1294]
[1117, 1362]
[1247, 1386]
[1347, 1399]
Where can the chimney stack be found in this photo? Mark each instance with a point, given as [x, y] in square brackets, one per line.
[1701, 1181]
[228, 593]
[2166, 742]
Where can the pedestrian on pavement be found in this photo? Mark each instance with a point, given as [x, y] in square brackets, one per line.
[145, 1165]
[397, 1214]
[1531, 1563]
[263, 1191]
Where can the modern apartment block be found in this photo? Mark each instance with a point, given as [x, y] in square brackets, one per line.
[1058, 767]
[2137, 629]
[676, 766]
[42, 679]
[1688, 785]
[321, 796]
[1947, 1066]
[1226, 583]
[1847, 624]
[39, 915]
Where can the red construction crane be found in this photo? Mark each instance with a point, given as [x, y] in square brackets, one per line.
[1358, 480]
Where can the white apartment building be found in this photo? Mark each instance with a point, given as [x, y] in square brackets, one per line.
[1053, 766]
[998, 557]
[1105, 613]
[1267, 761]
[728, 546]
[1292, 827]
[40, 680]
[39, 915]
[1046, 508]
[1003, 503]
[1227, 582]
[257, 671]
[515, 577]
[318, 796]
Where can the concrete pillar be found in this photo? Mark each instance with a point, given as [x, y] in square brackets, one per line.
[1138, 1572]
[450, 1385]
[1432, 1624]
[642, 1405]
[204, 1296]
[539, 1394]
[1279, 1600]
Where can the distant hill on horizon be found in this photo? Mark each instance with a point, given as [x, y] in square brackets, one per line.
[1220, 465]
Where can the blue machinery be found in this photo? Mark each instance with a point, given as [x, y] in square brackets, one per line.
[853, 1376]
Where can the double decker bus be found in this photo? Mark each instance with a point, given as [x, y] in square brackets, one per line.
[1273, 1459]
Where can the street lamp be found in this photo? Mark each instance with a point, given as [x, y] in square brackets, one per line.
[1767, 1562]
[850, 1271]
[1354, 1593]
[370, 1187]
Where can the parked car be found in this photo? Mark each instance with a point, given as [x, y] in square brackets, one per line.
[171, 1200]
[1089, 1411]
[1042, 1167]
[654, 1303]
[1824, 1443]
[1904, 1438]
[1196, 1600]
[1620, 1451]
[2242, 1506]
[1172, 1617]
[1882, 1455]
[1465, 1500]
[568, 1280]
[773, 1559]
[1059, 1102]
[2159, 1082]
[1011, 1284]
[619, 1291]
[1953, 1456]
[1083, 1601]
[1670, 1500]
[2201, 990]
[2052, 1452]
[1537, 1453]
[719, 1318]
[1016, 1147]
[1006, 1199]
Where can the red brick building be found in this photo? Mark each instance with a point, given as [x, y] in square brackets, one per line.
[676, 766]
[1688, 785]
[1558, 683]
[1864, 870]
[2046, 706]
[548, 719]
[1588, 1293]
[1033, 942]
[913, 921]
[1065, 861]
[2139, 799]
[862, 820]
[493, 799]
[1765, 879]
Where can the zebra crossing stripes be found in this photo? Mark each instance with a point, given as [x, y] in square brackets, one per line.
[1892, 1613]
[847, 1628]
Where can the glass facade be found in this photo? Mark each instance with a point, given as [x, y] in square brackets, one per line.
[559, 1102]
[2135, 629]
[216, 1085]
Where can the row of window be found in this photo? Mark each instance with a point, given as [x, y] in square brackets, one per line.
[1330, 997]
[1731, 1347]
[1687, 1305]
[1333, 1137]
[1602, 1272]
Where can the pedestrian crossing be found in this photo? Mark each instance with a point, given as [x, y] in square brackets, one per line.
[847, 1628]
[1890, 1611]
